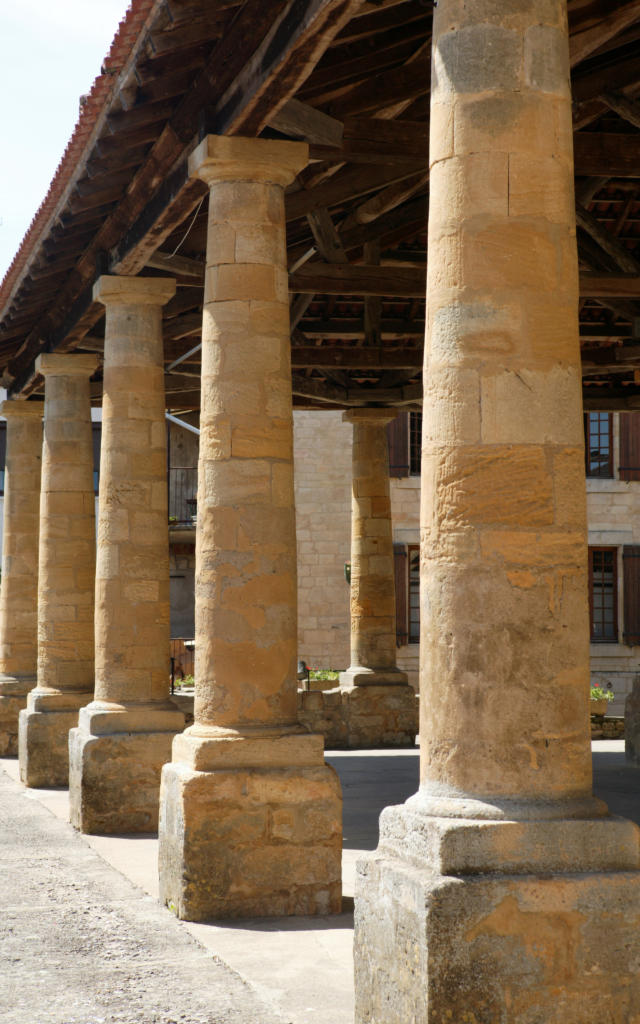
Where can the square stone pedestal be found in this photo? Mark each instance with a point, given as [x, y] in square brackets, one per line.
[250, 827]
[115, 760]
[44, 737]
[13, 699]
[444, 934]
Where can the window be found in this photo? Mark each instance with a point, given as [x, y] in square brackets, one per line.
[415, 443]
[97, 438]
[598, 444]
[414, 594]
[407, 579]
[603, 595]
[404, 435]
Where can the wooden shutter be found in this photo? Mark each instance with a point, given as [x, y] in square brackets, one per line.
[629, 468]
[402, 594]
[398, 438]
[631, 583]
[97, 438]
[3, 453]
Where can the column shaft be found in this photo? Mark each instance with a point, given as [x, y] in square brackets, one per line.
[373, 601]
[66, 573]
[272, 841]
[125, 734]
[499, 875]
[19, 588]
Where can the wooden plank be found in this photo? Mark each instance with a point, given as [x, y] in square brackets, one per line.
[585, 41]
[627, 109]
[181, 266]
[608, 242]
[353, 327]
[609, 154]
[299, 35]
[625, 286]
[345, 185]
[301, 121]
[326, 237]
[590, 85]
[324, 279]
[385, 89]
[356, 358]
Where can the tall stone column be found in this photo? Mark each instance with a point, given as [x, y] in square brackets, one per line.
[380, 707]
[124, 736]
[373, 599]
[19, 588]
[497, 881]
[250, 814]
[66, 572]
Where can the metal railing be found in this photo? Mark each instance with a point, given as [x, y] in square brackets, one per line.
[183, 490]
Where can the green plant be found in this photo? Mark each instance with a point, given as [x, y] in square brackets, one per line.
[187, 681]
[323, 674]
[597, 693]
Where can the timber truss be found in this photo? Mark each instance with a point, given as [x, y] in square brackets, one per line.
[351, 78]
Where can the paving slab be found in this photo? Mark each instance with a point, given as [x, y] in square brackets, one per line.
[283, 971]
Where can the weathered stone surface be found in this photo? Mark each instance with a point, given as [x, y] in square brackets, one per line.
[361, 717]
[521, 949]
[372, 585]
[250, 842]
[19, 590]
[632, 724]
[250, 815]
[66, 568]
[114, 779]
[475, 920]
[124, 735]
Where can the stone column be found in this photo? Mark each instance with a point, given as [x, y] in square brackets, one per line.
[66, 572]
[19, 589]
[124, 736]
[380, 706]
[373, 598]
[250, 814]
[497, 881]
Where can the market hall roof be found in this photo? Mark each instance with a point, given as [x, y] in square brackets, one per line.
[351, 77]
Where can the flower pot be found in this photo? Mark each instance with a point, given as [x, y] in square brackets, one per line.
[598, 707]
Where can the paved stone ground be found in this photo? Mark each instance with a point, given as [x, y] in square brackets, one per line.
[79, 944]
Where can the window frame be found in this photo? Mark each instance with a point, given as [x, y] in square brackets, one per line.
[608, 466]
[412, 636]
[615, 637]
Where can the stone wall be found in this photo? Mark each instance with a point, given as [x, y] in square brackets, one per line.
[613, 514]
[323, 510]
[355, 717]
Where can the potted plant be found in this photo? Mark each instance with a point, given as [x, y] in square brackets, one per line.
[598, 699]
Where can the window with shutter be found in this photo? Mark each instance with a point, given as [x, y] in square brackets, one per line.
[402, 589]
[629, 468]
[398, 438]
[414, 594]
[631, 604]
[97, 437]
[415, 442]
[603, 595]
[598, 437]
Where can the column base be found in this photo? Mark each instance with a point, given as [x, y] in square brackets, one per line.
[115, 759]
[361, 717]
[511, 921]
[44, 736]
[358, 675]
[250, 826]
[14, 691]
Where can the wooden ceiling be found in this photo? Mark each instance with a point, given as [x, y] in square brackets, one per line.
[351, 77]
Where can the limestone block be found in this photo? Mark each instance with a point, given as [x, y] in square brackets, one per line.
[632, 724]
[250, 842]
[43, 741]
[485, 931]
[13, 699]
[114, 780]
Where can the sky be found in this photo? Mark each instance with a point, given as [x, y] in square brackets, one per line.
[50, 53]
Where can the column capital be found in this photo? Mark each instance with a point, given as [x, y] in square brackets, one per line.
[14, 409]
[233, 158]
[66, 365]
[381, 416]
[134, 291]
